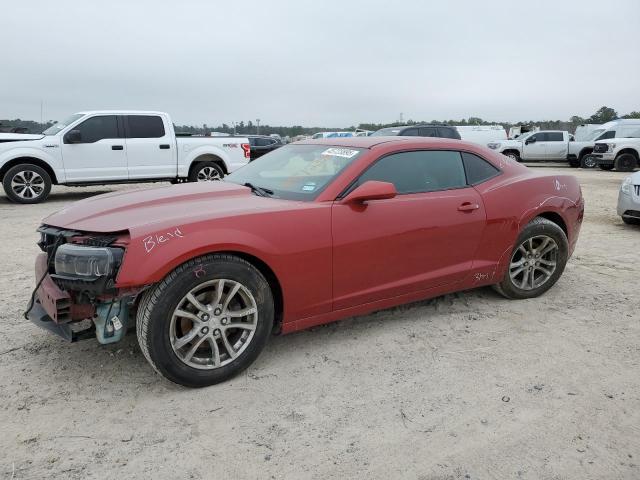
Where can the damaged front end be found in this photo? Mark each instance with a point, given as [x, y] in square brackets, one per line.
[76, 295]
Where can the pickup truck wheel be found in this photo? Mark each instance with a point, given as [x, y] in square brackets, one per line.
[588, 161]
[537, 261]
[513, 155]
[625, 162]
[27, 183]
[206, 172]
[206, 321]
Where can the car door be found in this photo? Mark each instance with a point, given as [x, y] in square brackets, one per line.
[97, 153]
[556, 146]
[423, 238]
[150, 147]
[535, 147]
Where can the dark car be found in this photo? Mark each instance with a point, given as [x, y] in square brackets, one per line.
[442, 131]
[261, 144]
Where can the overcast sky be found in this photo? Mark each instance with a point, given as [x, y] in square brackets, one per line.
[331, 63]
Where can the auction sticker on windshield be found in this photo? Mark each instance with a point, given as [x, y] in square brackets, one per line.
[340, 152]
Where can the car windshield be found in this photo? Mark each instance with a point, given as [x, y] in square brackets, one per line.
[62, 125]
[295, 172]
[386, 132]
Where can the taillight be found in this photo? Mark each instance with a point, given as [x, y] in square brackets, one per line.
[246, 147]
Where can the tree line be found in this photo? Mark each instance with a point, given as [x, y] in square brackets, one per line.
[602, 115]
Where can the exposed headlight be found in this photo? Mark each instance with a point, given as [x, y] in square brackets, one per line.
[88, 263]
[610, 147]
[493, 146]
[626, 185]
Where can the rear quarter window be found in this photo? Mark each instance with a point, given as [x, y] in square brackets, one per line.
[478, 170]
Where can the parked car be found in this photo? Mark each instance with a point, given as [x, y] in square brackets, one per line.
[629, 199]
[580, 151]
[443, 131]
[543, 145]
[318, 135]
[102, 147]
[261, 144]
[482, 134]
[623, 154]
[313, 232]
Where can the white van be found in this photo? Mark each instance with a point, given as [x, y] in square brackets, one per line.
[332, 135]
[482, 134]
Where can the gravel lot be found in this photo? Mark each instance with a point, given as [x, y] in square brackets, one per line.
[463, 386]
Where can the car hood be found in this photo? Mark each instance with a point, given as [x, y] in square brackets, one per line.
[509, 143]
[19, 137]
[147, 210]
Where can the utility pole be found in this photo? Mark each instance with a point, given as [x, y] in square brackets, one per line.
[258, 125]
[234, 128]
[401, 121]
[41, 110]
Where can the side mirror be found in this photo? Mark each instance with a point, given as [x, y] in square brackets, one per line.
[530, 140]
[371, 190]
[73, 136]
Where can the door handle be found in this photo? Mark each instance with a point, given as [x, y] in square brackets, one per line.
[164, 146]
[468, 207]
[117, 147]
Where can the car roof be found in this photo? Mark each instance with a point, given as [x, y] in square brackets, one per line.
[370, 142]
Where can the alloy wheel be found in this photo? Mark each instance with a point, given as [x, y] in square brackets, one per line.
[534, 262]
[208, 174]
[27, 184]
[213, 324]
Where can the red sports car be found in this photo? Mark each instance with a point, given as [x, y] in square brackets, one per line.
[311, 233]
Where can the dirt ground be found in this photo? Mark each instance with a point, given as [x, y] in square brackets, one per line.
[463, 386]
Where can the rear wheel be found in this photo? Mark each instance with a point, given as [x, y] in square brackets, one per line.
[537, 261]
[27, 183]
[588, 161]
[625, 162]
[206, 321]
[513, 155]
[206, 172]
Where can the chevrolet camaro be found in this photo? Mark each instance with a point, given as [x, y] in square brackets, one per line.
[308, 234]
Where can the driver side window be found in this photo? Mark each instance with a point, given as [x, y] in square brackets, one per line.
[98, 128]
[419, 172]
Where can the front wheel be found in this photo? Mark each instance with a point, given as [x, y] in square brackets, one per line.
[537, 261]
[27, 183]
[625, 162]
[207, 321]
[513, 155]
[606, 167]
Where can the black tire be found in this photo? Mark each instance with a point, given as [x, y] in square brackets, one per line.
[157, 307]
[537, 227]
[573, 163]
[631, 221]
[38, 183]
[625, 162]
[205, 172]
[605, 167]
[513, 155]
[588, 161]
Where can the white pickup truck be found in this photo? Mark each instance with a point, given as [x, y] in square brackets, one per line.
[101, 147]
[547, 145]
[623, 154]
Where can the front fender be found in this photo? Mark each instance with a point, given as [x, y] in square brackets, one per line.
[151, 256]
[54, 161]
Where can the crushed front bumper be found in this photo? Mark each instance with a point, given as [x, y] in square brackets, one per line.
[54, 311]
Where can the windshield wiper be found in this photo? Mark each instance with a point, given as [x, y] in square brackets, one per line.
[261, 192]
